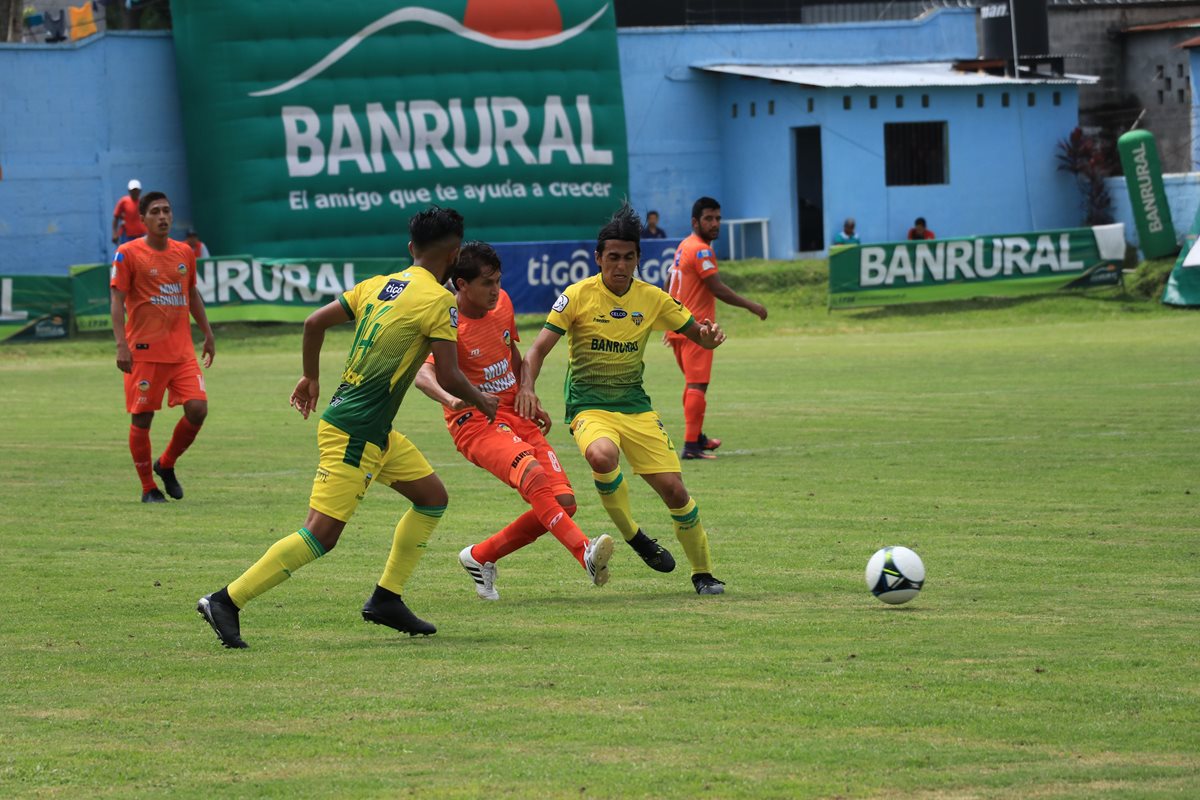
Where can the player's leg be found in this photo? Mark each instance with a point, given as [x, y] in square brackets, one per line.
[652, 455]
[339, 485]
[143, 396]
[597, 434]
[186, 387]
[406, 471]
[696, 363]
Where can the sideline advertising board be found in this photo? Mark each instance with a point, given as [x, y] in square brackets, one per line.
[985, 266]
[34, 307]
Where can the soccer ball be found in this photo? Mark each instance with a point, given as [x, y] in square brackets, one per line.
[895, 575]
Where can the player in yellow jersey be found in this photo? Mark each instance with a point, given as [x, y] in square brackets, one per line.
[608, 319]
[399, 318]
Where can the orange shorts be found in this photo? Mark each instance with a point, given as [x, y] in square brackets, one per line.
[506, 447]
[144, 387]
[694, 361]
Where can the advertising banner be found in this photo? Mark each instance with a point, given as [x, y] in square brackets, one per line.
[314, 128]
[958, 269]
[34, 307]
[1143, 177]
[1183, 284]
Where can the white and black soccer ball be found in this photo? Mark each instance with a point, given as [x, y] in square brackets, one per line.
[895, 575]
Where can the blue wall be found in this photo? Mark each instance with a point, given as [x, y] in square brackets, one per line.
[77, 121]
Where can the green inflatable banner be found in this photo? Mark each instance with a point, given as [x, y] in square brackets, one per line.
[34, 307]
[1183, 284]
[245, 288]
[1143, 177]
[959, 269]
[314, 128]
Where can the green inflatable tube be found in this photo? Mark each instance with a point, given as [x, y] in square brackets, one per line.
[1143, 176]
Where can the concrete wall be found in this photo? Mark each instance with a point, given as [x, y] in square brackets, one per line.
[1156, 73]
[78, 121]
[1183, 198]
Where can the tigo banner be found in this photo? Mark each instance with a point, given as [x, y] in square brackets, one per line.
[957, 269]
[316, 128]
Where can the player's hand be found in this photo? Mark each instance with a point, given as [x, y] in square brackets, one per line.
[488, 405]
[542, 419]
[711, 335]
[666, 338]
[124, 359]
[758, 310]
[304, 396]
[526, 403]
[456, 404]
[210, 351]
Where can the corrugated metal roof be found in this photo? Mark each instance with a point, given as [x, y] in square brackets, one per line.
[931, 73]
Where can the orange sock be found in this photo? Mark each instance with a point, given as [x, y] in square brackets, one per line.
[694, 404]
[139, 447]
[181, 439]
[538, 492]
[524, 530]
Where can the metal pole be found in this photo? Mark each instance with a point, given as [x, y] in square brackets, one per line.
[1012, 24]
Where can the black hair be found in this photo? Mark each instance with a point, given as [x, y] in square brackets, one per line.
[433, 225]
[624, 226]
[145, 200]
[648, 213]
[472, 259]
[919, 221]
[701, 205]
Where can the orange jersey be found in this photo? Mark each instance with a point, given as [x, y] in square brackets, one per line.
[127, 210]
[485, 353]
[694, 261]
[157, 285]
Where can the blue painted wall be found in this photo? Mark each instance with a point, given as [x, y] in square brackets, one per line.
[77, 121]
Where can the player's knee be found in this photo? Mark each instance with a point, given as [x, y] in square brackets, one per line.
[196, 412]
[567, 501]
[602, 461]
[531, 478]
[142, 420]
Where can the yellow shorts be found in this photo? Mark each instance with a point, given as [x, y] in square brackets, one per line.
[349, 466]
[641, 437]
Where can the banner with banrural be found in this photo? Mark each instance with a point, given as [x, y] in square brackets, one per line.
[314, 128]
[958, 269]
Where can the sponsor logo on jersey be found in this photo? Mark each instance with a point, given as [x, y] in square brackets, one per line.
[705, 253]
[474, 353]
[561, 303]
[609, 346]
[464, 418]
[182, 269]
[602, 319]
[153, 270]
[507, 339]
[618, 313]
[392, 289]
[637, 318]
[453, 317]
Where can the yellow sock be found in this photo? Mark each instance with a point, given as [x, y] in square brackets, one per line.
[412, 532]
[691, 535]
[614, 496]
[277, 565]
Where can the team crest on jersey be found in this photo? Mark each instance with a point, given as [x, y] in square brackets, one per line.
[561, 303]
[507, 339]
[500, 426]
[143, 386]
[705, 253]
[393, 289]
[182, 269]
[637, 317]
[453, 317]
[618, 313]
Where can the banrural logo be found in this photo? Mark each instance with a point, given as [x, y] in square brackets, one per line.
[976, 259]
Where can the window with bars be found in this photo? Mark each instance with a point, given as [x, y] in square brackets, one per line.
[915, 153]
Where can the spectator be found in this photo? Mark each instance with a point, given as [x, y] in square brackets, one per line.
[652, 231]
[198, 247]
[846, 235]
[918, 231]
[127, 222]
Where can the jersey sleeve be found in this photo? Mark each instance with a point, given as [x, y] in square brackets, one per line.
[441, 322]
[562, 313]
[120, 278]
[704, 263]
[672, 315]
[351, 299]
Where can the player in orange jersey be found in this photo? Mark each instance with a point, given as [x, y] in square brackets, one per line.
[694, 283]
[514, 449]
[154, 288]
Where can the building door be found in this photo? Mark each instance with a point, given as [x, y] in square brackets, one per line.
[810, 190]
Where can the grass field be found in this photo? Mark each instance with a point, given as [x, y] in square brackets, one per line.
[1041, 455]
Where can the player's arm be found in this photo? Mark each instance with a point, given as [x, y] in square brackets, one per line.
[117, 309]
[722, 292]
[308, 389]
[527, 404]
[705, 333]
[116, 223]
[540, 416]
[452, 380]
[427, 382]
[196, 306]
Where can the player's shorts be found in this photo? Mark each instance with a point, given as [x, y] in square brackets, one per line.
[145, 385]
[694, 361]
[349, 466]
[641, 437]
[506, 447]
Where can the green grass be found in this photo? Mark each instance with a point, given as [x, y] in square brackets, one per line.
[1041, 455]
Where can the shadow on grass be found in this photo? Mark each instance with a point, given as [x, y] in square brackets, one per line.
[919, 310]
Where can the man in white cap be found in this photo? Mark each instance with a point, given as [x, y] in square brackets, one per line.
[126, 216]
